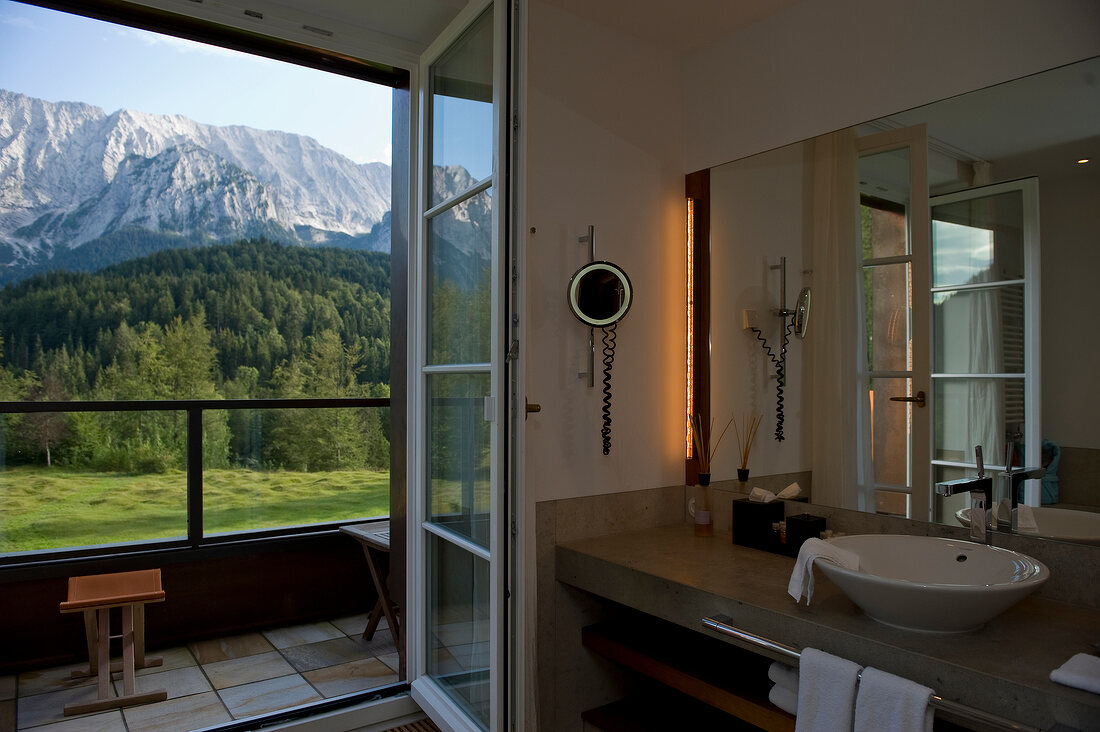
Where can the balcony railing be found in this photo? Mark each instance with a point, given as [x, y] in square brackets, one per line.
[239, 501]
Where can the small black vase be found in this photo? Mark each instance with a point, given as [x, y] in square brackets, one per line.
[742, 474]
[704, 479]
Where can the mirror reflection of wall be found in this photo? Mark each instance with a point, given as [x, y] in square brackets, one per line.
[1037, 127]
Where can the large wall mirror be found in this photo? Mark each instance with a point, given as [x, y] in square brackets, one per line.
[967, 254]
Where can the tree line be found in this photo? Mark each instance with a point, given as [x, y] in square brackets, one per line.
[253, 319]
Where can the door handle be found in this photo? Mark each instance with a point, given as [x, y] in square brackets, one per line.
[918, 399]
[532, 408]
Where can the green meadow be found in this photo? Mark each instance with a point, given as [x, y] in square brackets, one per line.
[51, 508]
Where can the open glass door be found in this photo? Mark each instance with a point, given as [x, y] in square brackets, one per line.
[455, 622]
[893, 192]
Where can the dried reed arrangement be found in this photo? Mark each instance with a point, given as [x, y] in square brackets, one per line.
[703, 449]
[751, 425]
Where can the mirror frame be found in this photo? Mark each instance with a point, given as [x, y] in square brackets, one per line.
[574, 297]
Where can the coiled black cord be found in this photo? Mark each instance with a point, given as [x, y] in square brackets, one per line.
[608, 359]
[780, 364]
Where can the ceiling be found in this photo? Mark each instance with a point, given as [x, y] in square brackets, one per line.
[1040, 124]
[418, 21]
[681, 26]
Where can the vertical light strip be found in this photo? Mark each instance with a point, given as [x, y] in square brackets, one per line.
[690, 403]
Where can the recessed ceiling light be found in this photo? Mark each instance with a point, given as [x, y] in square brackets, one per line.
[1082, 161]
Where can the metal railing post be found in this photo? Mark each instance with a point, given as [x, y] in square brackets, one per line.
[194, 476]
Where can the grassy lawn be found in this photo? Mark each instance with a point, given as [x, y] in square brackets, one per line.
[48, 508]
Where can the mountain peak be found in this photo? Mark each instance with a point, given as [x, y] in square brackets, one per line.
[70, 173]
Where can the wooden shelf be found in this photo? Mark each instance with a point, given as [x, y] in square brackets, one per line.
[658, 713]
[721, 676]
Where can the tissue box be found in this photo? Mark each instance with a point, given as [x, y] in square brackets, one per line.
[752, 523]
[801, 527]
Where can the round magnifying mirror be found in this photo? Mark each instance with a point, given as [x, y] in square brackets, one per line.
[600, 294]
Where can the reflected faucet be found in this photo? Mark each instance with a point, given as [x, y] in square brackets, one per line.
[1015, 480]
[980, 484]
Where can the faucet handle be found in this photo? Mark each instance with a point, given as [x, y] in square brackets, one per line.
[978, 460]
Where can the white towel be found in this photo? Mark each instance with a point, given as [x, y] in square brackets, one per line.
[802, 578]
[1081, 672]
[826, 692]
[784, 675]
[886, 701]
[784, 698]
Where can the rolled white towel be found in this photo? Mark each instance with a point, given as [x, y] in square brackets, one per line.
[1081, 672]
[783, 675]
[802, 578]
[784, 698]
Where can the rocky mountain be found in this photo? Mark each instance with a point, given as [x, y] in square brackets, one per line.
[71, 175]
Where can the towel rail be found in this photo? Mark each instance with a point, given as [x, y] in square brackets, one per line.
[779, 651]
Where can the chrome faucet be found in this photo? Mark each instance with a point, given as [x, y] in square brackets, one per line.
[1015, 480]
[980, 484]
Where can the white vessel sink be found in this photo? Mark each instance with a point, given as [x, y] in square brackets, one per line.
[1055, 523]
[932, 584]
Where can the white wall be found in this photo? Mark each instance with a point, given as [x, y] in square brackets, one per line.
[1069, 269]
[821, 65]
[604, 148]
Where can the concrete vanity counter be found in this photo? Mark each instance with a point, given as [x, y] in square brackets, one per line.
[1003, 668]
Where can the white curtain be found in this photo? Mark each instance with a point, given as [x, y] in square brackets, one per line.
[838, 404]
[985, 398]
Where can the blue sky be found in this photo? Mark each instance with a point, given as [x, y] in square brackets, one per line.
[60, 57]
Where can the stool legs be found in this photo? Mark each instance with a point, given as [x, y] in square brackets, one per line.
[103, 656]
[99, 641]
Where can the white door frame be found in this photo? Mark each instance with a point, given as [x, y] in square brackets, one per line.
[437, 704]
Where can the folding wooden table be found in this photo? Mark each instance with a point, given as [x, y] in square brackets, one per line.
[375, 540]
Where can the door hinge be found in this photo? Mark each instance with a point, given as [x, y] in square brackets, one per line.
[513, 351]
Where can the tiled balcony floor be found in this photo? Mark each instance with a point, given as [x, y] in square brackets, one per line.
[213, 681]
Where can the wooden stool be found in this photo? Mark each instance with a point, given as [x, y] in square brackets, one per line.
[95, 595]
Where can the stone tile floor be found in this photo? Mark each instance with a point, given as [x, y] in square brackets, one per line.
[213, 682]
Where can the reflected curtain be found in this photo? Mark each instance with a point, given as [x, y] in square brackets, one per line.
[985, 398]
[837, 402]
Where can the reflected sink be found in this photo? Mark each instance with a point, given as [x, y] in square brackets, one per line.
[933, 584]
[1082, 527]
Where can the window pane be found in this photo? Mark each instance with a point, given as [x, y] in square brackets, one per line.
[890, 436]
[458, 626]
[462, 112]
[458, 488]
[972, 412]
[86, 479]
[459, 281]
[886, 289]
[978, 240]
[883, 228]
[296, 466]
[979, 331]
